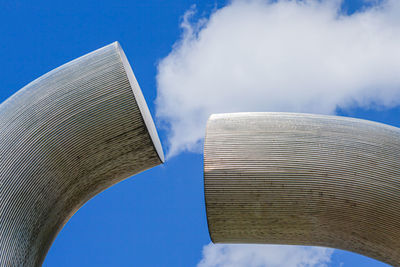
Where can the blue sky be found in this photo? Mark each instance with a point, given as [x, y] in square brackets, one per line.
[157, 218]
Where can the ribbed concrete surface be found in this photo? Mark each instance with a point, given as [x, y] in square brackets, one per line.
[64, 138]
[281, 178]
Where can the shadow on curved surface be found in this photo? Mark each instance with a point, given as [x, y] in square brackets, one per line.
[65, 137]
[302, 179]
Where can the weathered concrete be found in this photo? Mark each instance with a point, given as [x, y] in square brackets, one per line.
[64, 138]
[282, 178]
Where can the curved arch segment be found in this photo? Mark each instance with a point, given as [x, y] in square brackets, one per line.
[64, 138]
[302, 179]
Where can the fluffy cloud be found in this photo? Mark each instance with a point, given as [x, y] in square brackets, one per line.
[299, 56]
[264, 256]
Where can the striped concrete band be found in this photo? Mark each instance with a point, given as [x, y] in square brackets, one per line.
[65, 137]
[284, 178]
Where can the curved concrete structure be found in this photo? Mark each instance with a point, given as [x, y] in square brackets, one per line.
[301, 179]
[66, 137]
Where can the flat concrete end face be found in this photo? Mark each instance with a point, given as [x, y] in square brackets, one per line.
[148, 120]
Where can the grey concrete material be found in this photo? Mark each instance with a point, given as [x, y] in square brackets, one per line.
[64, 138]
[302, 179]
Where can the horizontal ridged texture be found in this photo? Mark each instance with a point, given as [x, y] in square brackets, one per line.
[302, 179]
[64, 138]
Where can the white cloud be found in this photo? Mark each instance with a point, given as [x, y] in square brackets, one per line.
[264, 256]
[255, 55]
